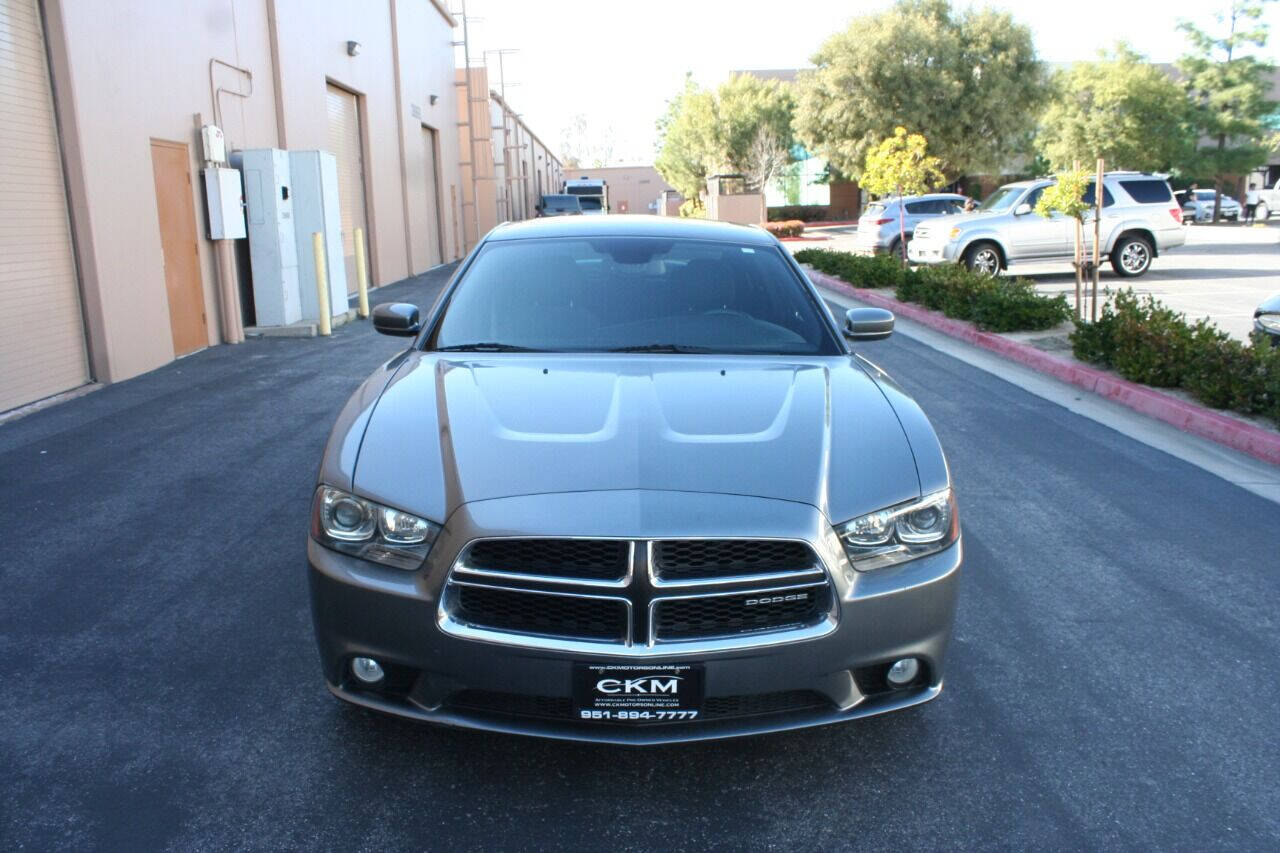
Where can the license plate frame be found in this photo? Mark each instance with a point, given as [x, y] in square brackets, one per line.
[638, 693]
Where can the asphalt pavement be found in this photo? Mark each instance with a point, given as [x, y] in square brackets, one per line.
[1113, 681]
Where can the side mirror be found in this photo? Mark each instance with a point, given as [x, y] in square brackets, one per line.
[868, 324]
[399, 319]
[1022, 209]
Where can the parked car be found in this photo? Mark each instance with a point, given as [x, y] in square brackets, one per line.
[1266, 319]
[1268, 202]
[878, 227]
[629, 483]
[1140, 220]
[1198, 206]
[558, 205]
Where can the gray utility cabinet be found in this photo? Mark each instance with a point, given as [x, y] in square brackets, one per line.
[273, 247]
[315, 209]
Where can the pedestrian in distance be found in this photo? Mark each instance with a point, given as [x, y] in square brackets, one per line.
[1250, 204]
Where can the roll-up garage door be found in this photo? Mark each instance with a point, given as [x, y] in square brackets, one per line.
[42, 347]
[344, 143]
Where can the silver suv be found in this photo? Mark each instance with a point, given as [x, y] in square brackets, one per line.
[878, 228]
[1140, 219]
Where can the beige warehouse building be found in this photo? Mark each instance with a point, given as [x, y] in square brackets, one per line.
[106, 270]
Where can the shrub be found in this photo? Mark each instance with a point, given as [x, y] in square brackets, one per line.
[1224, 373]
[1147, 342]
[803, 212]
[790, 228]
[693, 208]
[1013, 305]
[858, 270]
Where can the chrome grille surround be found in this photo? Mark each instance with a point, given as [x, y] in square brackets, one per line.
[644, 589]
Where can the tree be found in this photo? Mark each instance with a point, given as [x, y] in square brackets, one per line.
[738, 128]
[901, 165]
[583, 145]
[1120, 108]
[1067, 197]
[1229, 92]
[971, 78]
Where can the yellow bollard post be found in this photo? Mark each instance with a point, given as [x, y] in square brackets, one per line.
[322, 284]
[362, 275]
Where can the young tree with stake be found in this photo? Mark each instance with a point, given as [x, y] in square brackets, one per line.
[901, 165]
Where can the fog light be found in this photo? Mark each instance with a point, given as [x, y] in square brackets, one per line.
[901, 674]
[367, 670]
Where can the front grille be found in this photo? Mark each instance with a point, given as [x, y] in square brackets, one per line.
[738, 613]
[695, 559]
[561, 707]
[541, 613]
[588, 559]
[544, 593]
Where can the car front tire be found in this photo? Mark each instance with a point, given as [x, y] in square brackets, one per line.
[983, 258]
[1131, 256]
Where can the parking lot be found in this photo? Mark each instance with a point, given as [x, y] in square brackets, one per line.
[1223, 272]
[1112, 680]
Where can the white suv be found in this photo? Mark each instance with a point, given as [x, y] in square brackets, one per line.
[1140, 219]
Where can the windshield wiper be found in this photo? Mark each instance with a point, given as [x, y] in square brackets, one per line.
[660, 348]
[486, 346]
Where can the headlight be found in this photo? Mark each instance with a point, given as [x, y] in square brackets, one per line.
[901, 533]
[1270, 322]
[955, 233]
[364, 529]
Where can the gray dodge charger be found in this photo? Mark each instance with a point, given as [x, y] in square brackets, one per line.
[629, 483]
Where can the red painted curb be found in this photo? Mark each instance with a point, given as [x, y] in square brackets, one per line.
[1189, 417]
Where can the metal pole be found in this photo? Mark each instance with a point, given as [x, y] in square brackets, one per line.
[325, 326]
[362, 275]
[1098, 194]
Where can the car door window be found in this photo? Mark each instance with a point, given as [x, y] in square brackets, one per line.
[1107, 198]
[915, 208]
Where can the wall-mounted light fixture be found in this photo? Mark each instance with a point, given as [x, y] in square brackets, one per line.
[433, 99]
[353, 48]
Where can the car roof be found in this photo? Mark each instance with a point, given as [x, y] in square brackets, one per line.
[630, 225]
[925, 197]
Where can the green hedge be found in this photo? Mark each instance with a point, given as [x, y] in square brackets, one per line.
[1144, 341]
[995, 304]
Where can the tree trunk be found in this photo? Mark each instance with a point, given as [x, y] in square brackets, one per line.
[1217, 179]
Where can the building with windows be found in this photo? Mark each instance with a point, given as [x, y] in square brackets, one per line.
[106, 267]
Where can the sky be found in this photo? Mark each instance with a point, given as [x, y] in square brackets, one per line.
[617, 63]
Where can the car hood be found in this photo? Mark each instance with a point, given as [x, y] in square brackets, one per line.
[943, 224]
[448, 431]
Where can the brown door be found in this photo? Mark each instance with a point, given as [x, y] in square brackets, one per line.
[175, 204]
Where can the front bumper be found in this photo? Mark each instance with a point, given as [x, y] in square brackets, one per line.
[919, 252]
[362, 609]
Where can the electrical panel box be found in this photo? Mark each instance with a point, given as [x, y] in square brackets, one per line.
[273, 250]
[226, 203]
[315, 210]
[213, 143]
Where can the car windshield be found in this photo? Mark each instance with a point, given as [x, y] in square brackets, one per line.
[560, 202]
[1002, 199]
[589, 202]
[619, 294]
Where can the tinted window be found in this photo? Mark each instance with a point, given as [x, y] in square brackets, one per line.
[611, 293]
[918, 207]
[560, 202]
[1107, 198]
[1147, 192]
[1033, 197]
[590, 202]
